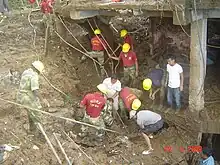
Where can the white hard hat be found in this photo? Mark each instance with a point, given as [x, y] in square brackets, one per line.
[38, 65]
[132, 114]
[102, 88]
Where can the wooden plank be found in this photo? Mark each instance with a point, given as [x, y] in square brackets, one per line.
[210, 126]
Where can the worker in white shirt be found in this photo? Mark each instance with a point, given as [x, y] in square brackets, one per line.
[175, 82]
[149, 122]
[114, 87]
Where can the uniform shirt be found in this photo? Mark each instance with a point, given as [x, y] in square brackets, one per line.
[29, 81]
[98, 44]
[45, 6]
[31, 1]
[128, 59]
[127, 97]
[146, 117]
[174, 75]
[128, 40]
[116, 87]
[208, 161]
[156, 76]
[94, 103]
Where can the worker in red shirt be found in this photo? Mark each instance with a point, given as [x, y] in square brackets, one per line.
[128, 101]
[93, 103]
[47, 6]
[130, 63]
[98, 47]
[127, 38]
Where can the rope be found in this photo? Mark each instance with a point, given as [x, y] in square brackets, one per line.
[34, 30]
[60, 117]
[78, 42]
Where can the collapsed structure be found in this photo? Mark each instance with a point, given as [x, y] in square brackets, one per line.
[191, 16]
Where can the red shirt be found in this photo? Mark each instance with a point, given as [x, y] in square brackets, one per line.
[128, 59]
[128, 40]
[45, 6]
[127, 97]
[31, 1]
[98, 44]
[94, 103]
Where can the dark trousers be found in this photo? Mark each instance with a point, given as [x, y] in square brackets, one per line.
[173, 96]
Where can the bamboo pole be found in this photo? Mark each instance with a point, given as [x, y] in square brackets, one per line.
[60, 117]
[63, 151]
[78, 147]
[49, 143]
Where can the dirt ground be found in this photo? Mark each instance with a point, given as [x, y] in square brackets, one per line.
[64, 70]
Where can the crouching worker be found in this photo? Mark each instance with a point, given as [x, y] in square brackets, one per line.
[156, 82]
[149, 122]
[93, 103]
[128, 101]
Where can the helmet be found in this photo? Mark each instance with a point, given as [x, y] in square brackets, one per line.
[147, 83]
[132, 114]
[136, 104]
[102, 88]
[97, 31]
[38, 65]
[125, 48]
[123, 33]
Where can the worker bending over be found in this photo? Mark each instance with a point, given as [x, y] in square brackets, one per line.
[128, 101]
[98, 47]
[130, 63]
[149, 122]
[29, 95]
[127, 38]
[113, 86]
[93, 103]
[156, 80]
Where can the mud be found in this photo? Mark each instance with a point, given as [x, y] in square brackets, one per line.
[64, 70]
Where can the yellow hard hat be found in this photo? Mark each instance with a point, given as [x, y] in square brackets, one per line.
[136, 104]
[97, 31]
[147, 84]
[102, 88]
[125, 48]
[38, 65]
[132, 113]
[123, 33]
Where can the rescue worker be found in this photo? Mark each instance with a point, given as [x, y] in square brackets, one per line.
[130, 63]
[98, 47]
[149, 122]
[156, 80]
[29, 95]
[114, 87]
[127, 38]
[128, 101]
[107, 113]
[93, 103]
[47, 9]
[47, 6]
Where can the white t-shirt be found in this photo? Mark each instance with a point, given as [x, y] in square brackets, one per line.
[174, 75]
[146, 117]
[116, 87]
